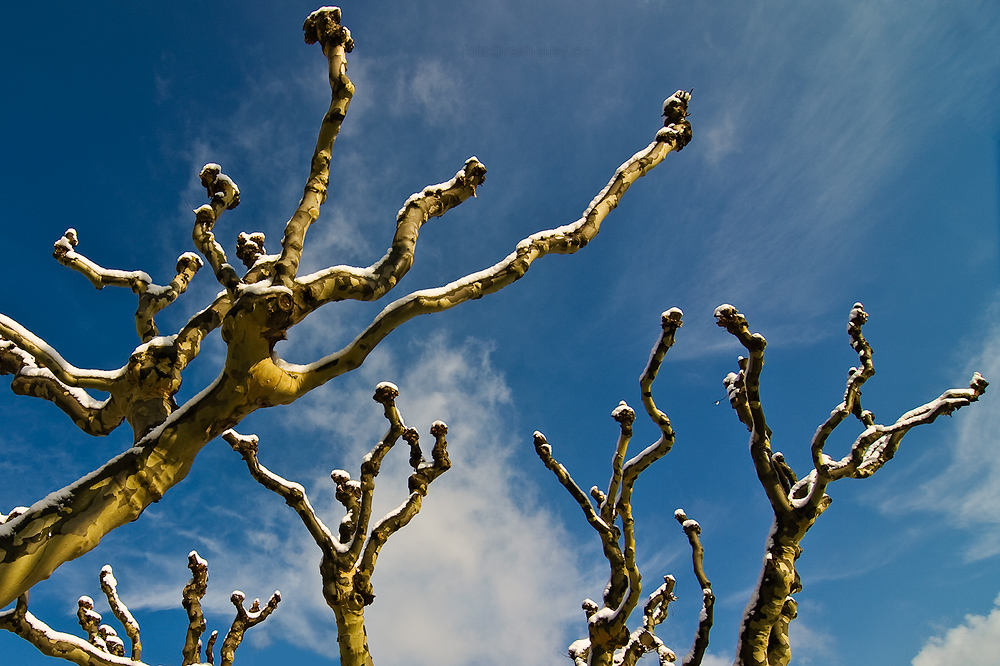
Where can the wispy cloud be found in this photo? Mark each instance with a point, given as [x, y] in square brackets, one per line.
[968, 489]
[814, 122]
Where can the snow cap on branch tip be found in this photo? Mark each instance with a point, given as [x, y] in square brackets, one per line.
[672, 318]
[249, 247]
[385, 392]
[623, 413]
[978, 383]
[189, 261]
[65, 244]
[209, 173]
[676, 128]
[857, 317]
[675, 107]
[323, 26]
[219, 185]
[196, 561]
[727, 315]
[474, 173]
[340, 476]
[541, 445]
[439, 429]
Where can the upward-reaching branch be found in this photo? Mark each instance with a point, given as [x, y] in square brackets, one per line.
[322, 26]
[103, 647]
[799, 501]
[609, 641]
[152, 298]
[560, 240]
[348, 560]
[253, 313]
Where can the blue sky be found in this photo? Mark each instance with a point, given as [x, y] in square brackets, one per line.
[843, 152]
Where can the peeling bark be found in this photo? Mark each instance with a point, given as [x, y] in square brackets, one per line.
[609, 641]
[348, 559]
[253, 313]
[797, 503]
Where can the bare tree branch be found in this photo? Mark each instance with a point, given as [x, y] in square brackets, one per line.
[706, 618]
[224, 195]
[109, 585]
[321, 26]
[105, 648]
[293, 493]
[348, 562]
[193, 593]
[245, 618]
[54, 643]
[561, 240]
[372, 283]
[152, 298]
[609, 641]
[749, 380]
[253, 314]
[799, 501]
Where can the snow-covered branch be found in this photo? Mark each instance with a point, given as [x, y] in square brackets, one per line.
[372, 283]
[253, 313]
[566, 239]
[103, 647]
[152, 297]
[744, 395]
[799, 501]
[609, 641]
[223, 195]
[706, 618]
[322, 26]
[348, 560]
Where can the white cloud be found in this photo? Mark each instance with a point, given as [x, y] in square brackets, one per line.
[716, 660]
[976, 642]
[481, 560]
[809, 645]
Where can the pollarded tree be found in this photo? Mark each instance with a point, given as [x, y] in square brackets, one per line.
[256, 308]
[609, 640]
[797, 503]
[104, 647]
[346, 567]
[349, 557]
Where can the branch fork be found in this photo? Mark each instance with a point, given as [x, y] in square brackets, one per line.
[797, 501]
[609, 641]
[348, 559]
[103, 646]
[255, 310]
